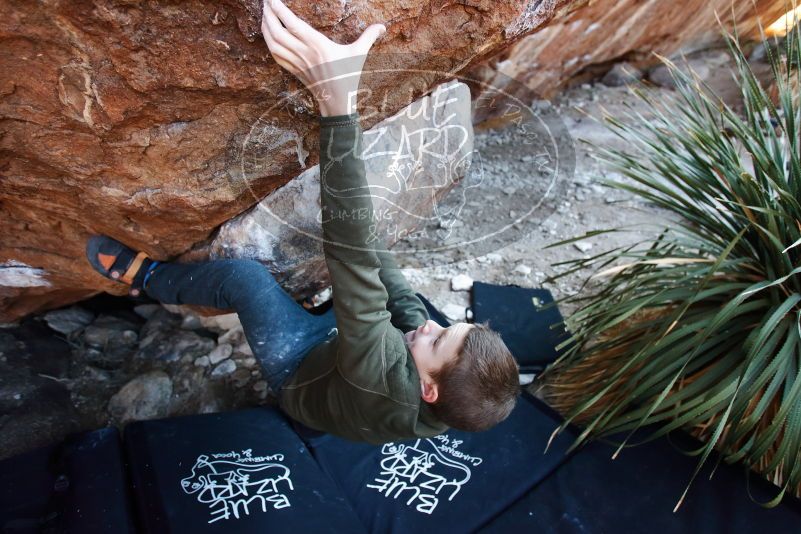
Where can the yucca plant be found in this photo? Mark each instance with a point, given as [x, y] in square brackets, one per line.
[699, 327]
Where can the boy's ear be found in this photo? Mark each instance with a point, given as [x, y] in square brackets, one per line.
[428, 391]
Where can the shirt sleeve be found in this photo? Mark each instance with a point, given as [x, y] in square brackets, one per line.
[349, 244]
[407, 310]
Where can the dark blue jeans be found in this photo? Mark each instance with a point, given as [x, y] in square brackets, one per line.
[279, 330]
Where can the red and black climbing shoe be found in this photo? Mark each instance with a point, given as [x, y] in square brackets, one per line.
[117, 262]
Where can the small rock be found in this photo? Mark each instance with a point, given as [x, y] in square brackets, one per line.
[322, 296]
[240, 378]
[108, 331]
[220, 353]
[540, 105]
[221, 323]
[759, 53]
[526, 378]
[261, 385]
[660, 76]
[203, 361]
[469, 314]
[461, 282]
[108, 359]
[98, 336]
[244, 348]
[145, 397]
[225, 368]
[191, 342]
[249, 362]
[146, 311]
[210, 406]
[234, 336]
[622, 74]
[494, 257]
[583, 246]
[454, 223]
[160, 322]
[69, 320]
[523, 269]
[172, 345]
[97, 375]
[191, 322]
[454, 312]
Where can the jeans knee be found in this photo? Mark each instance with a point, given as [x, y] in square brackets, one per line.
[247, 269]
[245, 280]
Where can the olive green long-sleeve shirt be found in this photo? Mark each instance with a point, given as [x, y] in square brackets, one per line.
[361, 384]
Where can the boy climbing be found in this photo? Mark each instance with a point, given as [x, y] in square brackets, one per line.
[377, 369]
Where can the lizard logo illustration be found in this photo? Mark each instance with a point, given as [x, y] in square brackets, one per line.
[232, 484]
[424, 470]
[453, 173]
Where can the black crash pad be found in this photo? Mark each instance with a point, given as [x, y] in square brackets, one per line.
[78, 486]
[452, 483]
[243, 471]
[531, 329]
[636, 494]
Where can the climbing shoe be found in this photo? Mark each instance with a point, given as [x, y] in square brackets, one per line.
[117, 262]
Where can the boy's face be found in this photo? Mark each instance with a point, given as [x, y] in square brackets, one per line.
[432, 346]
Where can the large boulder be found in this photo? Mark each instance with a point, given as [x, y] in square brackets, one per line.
[133, 119]
[593, 38]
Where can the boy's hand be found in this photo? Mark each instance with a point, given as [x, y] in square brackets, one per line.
[329, 70]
